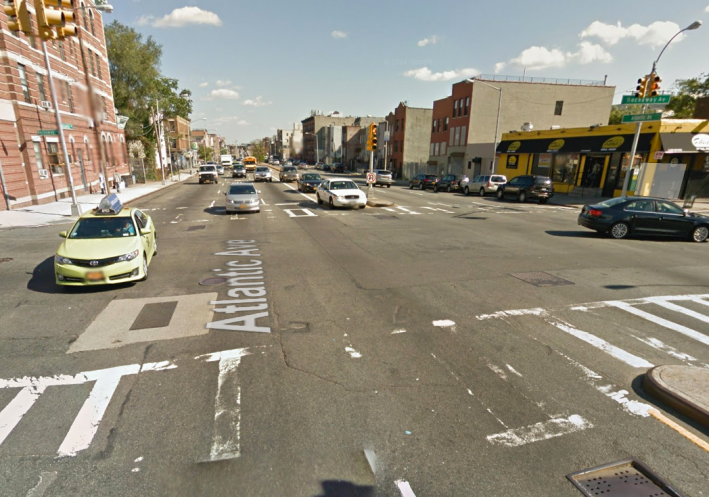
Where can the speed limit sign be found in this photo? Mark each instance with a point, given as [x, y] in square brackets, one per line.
[371, 178]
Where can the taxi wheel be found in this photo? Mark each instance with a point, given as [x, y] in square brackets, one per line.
[319, 199]
[145, 268]
[449, 189]
[332, 205]
[155, 247]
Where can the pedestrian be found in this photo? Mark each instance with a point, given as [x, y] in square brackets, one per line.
[102, 183]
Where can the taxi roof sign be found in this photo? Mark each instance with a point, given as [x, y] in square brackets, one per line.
[110, 204]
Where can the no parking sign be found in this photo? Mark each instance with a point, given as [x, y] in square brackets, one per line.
[371, 178]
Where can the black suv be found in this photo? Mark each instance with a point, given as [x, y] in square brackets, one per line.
[338, 168]
[527, 187]
[450, 183]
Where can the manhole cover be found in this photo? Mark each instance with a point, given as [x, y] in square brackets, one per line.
[212, 281]
[385, 216]
[629, 478]
[7, 259]
[541, 279]
[195, 228]
[154, 316]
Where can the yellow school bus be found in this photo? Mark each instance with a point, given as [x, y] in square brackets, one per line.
[250, 163]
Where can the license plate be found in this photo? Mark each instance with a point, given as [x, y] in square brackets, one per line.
[242, 206]
[94, 276]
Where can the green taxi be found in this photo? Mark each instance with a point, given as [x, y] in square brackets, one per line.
[108, 245]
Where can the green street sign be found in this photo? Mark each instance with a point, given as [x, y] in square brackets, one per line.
[660, 99]
[194, 146]
[48, 132]
[637, 118]
[67, 126]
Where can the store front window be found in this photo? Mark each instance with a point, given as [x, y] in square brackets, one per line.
[564, 168]
[698, 181]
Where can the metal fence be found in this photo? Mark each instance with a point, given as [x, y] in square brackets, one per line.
[137, 169]
[549, 81]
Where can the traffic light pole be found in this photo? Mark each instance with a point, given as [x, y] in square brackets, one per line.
[370, 190]
[631, 163]
[75, 208]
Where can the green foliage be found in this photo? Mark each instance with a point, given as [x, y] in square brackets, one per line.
[205, 152]
[258, 149]
[684, 103]
[617, 113]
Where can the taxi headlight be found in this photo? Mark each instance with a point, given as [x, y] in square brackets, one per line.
[128, 257]
[62, 260]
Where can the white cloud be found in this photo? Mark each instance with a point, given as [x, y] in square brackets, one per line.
[181, 17]
[242, 123]
[224, 93]
[425, 74]
[222, 83]
[590, 52]
[203, 85]
[707, 9]
[257, 102]
[654, 35]
[538, 58]
[499, 67]
[426, 41]
[338, 34]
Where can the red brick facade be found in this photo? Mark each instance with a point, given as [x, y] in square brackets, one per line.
[32, 165]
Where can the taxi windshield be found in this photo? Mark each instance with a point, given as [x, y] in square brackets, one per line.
[103, 227]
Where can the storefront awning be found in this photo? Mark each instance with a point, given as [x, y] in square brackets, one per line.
[583, 144]
[685, 142]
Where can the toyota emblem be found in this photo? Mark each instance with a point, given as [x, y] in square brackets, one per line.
[93, 263]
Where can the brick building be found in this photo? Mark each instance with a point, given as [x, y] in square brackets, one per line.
[32, 163]
[409, 138]
[178, 131]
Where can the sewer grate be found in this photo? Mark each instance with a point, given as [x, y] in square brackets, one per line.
[6, 259]
[195, 228]
[541, 279]
[212, 281]
[154, 316]
[629, 478]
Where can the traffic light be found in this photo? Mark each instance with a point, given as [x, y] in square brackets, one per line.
[654, 89]
[372, 138]
[642, 88]
[18, 17]
[51, 14]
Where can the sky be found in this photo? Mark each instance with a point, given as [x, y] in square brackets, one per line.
[256, 66]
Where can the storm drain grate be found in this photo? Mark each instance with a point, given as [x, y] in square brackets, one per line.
[541, 279]
[195, 228]
[154, 316]
[212, 281]
[6, 259]
[629, 478]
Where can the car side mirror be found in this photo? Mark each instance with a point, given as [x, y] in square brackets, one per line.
[686, 212]
[63, 234]
[145, 231]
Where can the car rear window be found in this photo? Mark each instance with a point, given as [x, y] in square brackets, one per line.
[289, 169]
[430, 176]
[498, 179]
[611, 202]
[543, 181]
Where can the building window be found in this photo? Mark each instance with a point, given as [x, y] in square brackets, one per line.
[443, 148]
[69, 98]
[98, 66]
[464, 135]
[467, 105]
[432, 147]
[445, 125]
[91, 22]
[91, 59]
[437, 150]
[559, 107]
[23, 82]
[455, 109]
[457, 136]
[396, 125]
[62, 52]
[53, 153]
[38, 156]
[40, 86]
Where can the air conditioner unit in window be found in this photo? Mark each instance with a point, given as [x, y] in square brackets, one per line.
[43, 174]
[46, 104]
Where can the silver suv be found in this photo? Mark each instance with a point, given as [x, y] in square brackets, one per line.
[484, 184]
[384, 178]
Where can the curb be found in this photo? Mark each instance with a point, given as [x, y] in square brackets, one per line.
[172, 183]
[657, 387]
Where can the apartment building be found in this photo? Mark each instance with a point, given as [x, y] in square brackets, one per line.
[407, 151]
[178, 132]
[463, 124]
[32, 168]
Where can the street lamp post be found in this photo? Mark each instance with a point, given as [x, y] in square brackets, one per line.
[497, 122]
[638, 126]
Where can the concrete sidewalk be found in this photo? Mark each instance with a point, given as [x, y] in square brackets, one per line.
[683, 388]
[60, 212]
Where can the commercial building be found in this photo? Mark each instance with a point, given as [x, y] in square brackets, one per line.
[296, 141]
[32, 168]
[178, 132]
[283, 143]
[408, 148]
[315, 133]
[672, 158]
[463, 124]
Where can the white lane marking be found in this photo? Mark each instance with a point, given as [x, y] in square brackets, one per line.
[46, 478]
[389, 209]
[499, 372]
[631, 406]
[177, 219]
[235, 217]
[520, 312]
[262, 202]
[135, 470]
[180, 208]
[226, 434]
[306, 212]
[219, 192]
[660, 321]
[352, 352]
[300, 193]
[444, 323]
[678, 308]
[288, 203]
[659, 345]
[599, 343]
[397, 332]
[540, 431]
[17, 408]
[438, 210]
[405, 488]
[212, 204]
[513, 370]
[409, 212]
[139, 459]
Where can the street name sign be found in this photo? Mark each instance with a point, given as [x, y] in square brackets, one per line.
[47, 132]
[67, 126]
[636, 118]
[660, 99]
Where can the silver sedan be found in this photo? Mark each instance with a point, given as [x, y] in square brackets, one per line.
[242, 197]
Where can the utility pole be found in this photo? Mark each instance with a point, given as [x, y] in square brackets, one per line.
[156, 125]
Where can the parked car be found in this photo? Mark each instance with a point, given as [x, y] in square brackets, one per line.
[319, 166]
[208, 174]
[238, 171]
[326, 167]
[449, 183]
[423, 181]
[484, 184]
[309, 182]
[527, 187]
[289, 173]
[384, 178]
[626, 216]
[241, 197]
[338, 168]
[263, 173]
[341, 193]
[220, 170]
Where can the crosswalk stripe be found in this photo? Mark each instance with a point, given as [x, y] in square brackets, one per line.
[679, 308]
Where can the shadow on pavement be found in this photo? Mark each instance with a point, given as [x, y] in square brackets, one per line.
[345, 489]
[42, 281]
[215, 211]
[574, 234]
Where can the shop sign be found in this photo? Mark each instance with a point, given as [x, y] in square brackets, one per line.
[514, 146]
[556, 145]
[512, 161]
[659, 155]
[544, 160]
[701, 142]
[612, 144]
[674, 161]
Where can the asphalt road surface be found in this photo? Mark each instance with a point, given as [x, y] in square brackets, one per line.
[444, 346]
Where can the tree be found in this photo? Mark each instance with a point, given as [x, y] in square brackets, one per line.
[205, 152]
[258, 150]
[618, 111]
[689, 90]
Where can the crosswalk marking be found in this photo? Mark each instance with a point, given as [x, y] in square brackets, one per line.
[306, 213]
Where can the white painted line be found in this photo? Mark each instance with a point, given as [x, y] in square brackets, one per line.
[405, 488]
[520, 312]
[180, 208]
[212, 204]
[389, 209]
[410, 212]
[235, 217]
[599, 343]
[219, 192]
[288, 203]
[300, 193]
[17, 408]
[430, 208]
[513, 370]
[46, 478]
[499, 372]
[660, 321]
[631, 406]
[352, 352]
[262, 202]
[659, 345]
[306, 211]
[397, 332]
[540, 431]
[444, 323]
[678, 308]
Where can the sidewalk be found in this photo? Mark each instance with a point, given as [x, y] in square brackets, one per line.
[60, 212]
[683, 388]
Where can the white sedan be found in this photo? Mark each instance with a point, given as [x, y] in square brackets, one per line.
[339, 193]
